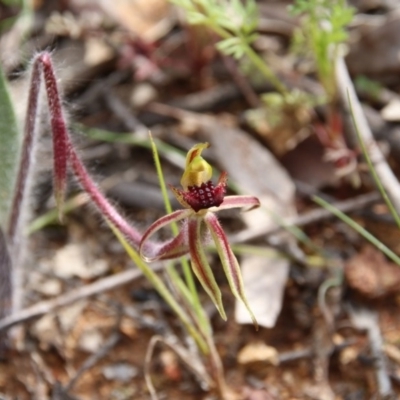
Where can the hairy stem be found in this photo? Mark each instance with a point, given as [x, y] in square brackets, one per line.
[61, 142]
[106, 209]
[43, 70]
[19, 207]
[64, 151]
[27, 156]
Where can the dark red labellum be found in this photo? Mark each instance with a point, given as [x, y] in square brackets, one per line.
[204, 196]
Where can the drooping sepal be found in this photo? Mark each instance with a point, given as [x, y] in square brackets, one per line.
[229, 261]
[169, 250]
[200, 264]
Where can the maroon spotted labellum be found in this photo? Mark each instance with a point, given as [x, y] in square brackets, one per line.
[205, 196]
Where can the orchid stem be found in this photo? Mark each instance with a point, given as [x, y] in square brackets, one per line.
[187, 271]
[162, 289]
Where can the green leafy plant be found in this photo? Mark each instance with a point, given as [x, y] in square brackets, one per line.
[322, 31]
[235, 22]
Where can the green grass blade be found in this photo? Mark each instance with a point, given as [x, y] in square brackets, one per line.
[9, 150]
[159, 285]
[175, 156]
[358, 228]
[51, 217]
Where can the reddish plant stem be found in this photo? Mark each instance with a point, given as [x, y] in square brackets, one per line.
[61, 144]
[19, 208]
[63, 151]
[106, 209]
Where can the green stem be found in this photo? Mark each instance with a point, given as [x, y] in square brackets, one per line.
[254, 57]
[264, 69]
[159, 285]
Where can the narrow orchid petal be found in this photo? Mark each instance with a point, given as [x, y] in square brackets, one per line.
[174, 248]
[229, 261]
[61, 142]
[249, 202]
[106, 209]
[156, 226]
[223, 179]
[200, 265]
[179, 194]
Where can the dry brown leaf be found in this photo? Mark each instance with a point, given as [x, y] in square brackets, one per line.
[257, 394]
[73, 260]
[370, 274]
[375, 45]
[306, 163]
[256, 352]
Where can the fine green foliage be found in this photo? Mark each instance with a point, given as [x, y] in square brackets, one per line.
[228, 17]
[235, 22]
[9, 150]
[322, 30]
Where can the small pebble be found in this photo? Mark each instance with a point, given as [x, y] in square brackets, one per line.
[122, 372]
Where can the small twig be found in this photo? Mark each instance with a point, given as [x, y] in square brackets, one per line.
[124, 113]
[311, 217]
[43, 376]
[368, 320]
[382, 168]
[47, 306]
[5, 276]
[190, 360]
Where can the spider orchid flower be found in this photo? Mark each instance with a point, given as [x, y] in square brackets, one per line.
[201, 199]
